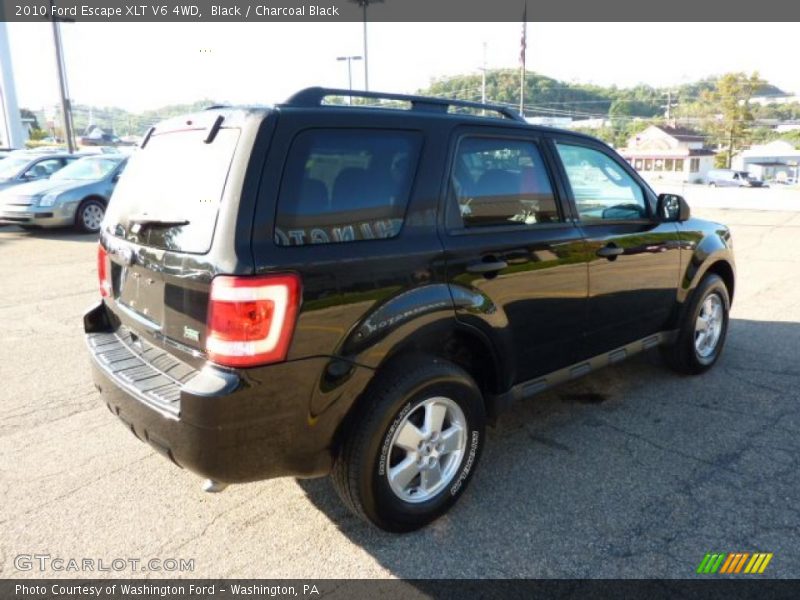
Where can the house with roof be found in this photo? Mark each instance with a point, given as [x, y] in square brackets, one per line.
[776, 161]
[670, 153]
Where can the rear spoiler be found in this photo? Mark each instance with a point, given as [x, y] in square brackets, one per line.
[191, 122]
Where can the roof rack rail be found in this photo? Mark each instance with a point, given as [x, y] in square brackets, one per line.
[314, 96]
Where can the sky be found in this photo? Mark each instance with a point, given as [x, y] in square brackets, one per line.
[143, 66]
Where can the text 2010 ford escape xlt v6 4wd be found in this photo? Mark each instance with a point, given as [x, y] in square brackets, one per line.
[315, 289]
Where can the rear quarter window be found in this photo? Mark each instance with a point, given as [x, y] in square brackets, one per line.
[346, 185]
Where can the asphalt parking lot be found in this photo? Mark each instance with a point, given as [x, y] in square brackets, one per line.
[630, 472]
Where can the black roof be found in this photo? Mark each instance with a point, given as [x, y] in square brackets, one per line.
[682, 133]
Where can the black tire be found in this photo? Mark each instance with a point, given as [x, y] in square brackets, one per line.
[85, 216]
[683, 355]
[361, 471]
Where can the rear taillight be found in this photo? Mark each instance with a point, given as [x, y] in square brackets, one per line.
[251, 319]
[102, 272]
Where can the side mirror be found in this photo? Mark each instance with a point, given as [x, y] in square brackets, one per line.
[673, 208]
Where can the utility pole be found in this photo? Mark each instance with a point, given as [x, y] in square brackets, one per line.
[669, 103]
[668, 109]
[730, 145]
[66, 108]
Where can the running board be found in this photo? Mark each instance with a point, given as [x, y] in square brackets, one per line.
[530, 388]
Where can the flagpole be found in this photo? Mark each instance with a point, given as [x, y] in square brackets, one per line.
[522, 52]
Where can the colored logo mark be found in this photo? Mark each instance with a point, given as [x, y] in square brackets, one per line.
[734, 562]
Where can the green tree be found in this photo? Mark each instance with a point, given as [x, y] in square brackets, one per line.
[728, 114]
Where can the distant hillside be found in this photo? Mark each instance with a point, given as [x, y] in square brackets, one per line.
[123, 122]
[545, 96]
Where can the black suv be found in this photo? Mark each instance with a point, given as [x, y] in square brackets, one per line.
[355, 289]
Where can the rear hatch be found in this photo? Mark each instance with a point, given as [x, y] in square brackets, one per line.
[161, 224]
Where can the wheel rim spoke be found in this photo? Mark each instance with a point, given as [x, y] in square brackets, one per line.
[431, 477]
[700, 340]
[451, 440]
[409, 437]
[434, 417]
[402, 474]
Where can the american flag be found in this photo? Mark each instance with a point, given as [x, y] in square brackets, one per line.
[523, 42]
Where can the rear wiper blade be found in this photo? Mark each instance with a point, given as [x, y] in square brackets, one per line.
[138, 223]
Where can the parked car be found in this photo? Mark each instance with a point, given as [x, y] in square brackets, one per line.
[316, 289]
[23, 166]
[100, 138]
[730, 178]
[75, 196]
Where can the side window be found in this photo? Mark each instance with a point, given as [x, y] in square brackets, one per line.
[501, 182]
[44, 168]
[345, 185]
[602, 189]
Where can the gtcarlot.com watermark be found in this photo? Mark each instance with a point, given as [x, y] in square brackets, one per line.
[59, 564]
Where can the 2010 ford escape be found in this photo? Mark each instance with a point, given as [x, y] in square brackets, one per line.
[313, 289]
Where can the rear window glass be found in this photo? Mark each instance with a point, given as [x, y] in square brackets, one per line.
[175, 178]
[345, 185]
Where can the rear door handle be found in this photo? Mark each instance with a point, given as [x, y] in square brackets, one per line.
[483, 268]
[610, 251]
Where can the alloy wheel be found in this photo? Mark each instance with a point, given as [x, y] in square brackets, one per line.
[426, 449]
[708, 327]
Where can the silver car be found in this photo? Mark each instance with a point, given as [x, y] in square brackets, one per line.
[77, 195]
[731, 178]
[23, 166]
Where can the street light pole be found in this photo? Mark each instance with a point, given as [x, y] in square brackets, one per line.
[364, 4]
[349, 60]
[366, 56]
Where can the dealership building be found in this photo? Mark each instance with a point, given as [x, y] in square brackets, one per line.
[669, 153]
[775, 161]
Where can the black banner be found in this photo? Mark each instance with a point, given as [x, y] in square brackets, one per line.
[263, 11]
[180, 589]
